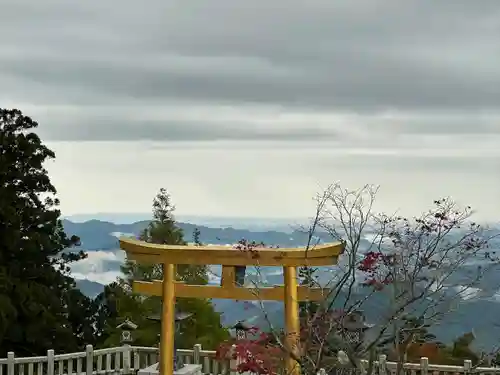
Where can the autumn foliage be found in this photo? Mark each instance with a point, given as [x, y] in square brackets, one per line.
[258, 354]
[412, 257]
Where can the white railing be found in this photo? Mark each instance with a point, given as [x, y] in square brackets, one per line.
[118, 360]
[128, 359]
[383, 367]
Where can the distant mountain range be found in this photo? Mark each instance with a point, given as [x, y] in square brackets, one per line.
[102, 235]
[255, 224]
[481, 313]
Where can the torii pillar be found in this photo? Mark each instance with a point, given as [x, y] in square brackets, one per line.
[167, 320]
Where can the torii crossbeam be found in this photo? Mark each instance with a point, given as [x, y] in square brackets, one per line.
[169, 288]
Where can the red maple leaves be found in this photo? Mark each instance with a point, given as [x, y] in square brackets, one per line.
[374, 265]
[257, 355]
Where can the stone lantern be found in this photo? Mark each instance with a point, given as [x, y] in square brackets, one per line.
[179, 317]
[241, 329]
[127, 326]
[355, 326]
[126, 338]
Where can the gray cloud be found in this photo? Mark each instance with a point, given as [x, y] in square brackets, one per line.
[110, 129]
[358, 57]
[187, 123]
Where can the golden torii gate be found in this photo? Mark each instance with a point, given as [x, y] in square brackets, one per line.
[169, 288]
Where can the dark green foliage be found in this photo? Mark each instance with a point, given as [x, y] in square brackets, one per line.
[308, 309]
[118, 303]
[417, 329]
[461, 348]
[196, 237]
[82, 316]
[40, 308]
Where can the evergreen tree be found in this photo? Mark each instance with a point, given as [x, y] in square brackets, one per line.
[416, 329]
[196, 237]
[204, 326]
[40, 308]
[462, 350]
[308, 309]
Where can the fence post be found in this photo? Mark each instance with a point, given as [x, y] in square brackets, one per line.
[11, 362]
[382, 364]
[50, 362]
[127, 363]
[233, 361]
[196, 354]
[424, 366]
[467, 366]
[89, 363]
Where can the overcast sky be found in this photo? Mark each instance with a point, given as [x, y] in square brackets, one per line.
[247, 108]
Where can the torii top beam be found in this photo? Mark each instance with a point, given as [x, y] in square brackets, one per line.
[144, 252]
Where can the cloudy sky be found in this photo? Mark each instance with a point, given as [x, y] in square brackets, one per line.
[249, 108]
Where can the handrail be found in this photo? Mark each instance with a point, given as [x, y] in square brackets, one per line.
[127, 360]
[123, 360]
